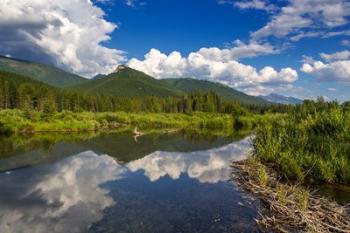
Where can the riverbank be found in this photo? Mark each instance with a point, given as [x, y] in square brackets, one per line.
[19, 121]
[287, 207]
[311, 145]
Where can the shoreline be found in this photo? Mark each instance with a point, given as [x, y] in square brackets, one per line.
[287, 207]
[17, 121]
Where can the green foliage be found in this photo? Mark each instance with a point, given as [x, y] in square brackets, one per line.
[310, 144]
[18, 121]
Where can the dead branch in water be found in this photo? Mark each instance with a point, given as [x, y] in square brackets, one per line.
[288, 208]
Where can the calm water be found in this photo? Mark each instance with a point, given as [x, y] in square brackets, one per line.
[116, 183]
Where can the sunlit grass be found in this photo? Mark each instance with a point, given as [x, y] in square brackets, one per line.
[310, 144]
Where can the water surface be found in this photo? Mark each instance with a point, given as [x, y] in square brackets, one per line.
[116, 183]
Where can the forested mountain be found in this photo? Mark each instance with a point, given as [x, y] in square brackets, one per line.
[123, 82]
[187, 85]
[132, 83]
[127, 82]
[40, 72]
[17, 91]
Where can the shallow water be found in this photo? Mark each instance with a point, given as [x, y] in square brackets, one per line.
[116, 183]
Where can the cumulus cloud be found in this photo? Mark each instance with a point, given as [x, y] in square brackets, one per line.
[218, 65]
[59, 32]
[335, 67]
[333, 71]
[337, 56]
[306, 18]
[210, 166]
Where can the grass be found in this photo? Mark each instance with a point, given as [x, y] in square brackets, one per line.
[311, 144]
[15, 121]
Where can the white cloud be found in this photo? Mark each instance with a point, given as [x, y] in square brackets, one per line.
[299, 16]
[335, 67]
[332, 89]
[250, 4]
[333, 71]
[68, 33]
[338, 56]
[213, 64]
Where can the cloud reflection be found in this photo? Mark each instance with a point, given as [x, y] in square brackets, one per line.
[209, 166]
[67, 197]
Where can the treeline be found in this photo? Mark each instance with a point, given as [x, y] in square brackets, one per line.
[19, 92]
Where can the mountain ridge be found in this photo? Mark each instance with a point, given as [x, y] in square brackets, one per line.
[227, 93]
[281, 99]
[123, 81]
[40, 72]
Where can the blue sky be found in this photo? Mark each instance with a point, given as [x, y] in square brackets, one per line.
[297, 48]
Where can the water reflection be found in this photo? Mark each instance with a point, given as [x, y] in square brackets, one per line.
[65, 197]
[209, 166]
[145, 186]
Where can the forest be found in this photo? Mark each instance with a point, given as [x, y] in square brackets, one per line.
[306, 142]
[19, 92]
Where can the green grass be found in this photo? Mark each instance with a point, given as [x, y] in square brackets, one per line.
[311, 144]
[14, 121]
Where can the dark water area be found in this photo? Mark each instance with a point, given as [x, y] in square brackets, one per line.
[117, 183]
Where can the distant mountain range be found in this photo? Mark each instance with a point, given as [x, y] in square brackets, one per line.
[275, 98]
[124, 81]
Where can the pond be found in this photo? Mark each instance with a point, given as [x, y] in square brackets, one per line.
[114, 182]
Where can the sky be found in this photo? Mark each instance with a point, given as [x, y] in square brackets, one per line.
[297, 48]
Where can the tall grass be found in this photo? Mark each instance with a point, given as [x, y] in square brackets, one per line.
[12, 121]
[311, 144]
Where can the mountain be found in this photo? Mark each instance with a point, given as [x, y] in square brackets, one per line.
[188, 85]
[40, 72]
[275, 98]
[99, 76]
[125, 81]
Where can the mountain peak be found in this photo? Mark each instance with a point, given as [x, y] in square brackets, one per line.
[119, 68]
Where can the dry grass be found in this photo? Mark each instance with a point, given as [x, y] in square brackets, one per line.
[289, 208]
